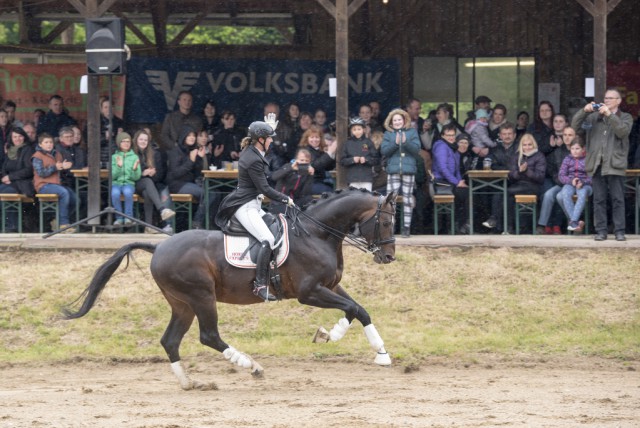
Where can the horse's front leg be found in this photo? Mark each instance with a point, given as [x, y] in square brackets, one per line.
[322, 297]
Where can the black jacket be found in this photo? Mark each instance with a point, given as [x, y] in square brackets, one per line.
[20, 171]
[362, 147]
[77, 156]
[293, 184]
[252, 181]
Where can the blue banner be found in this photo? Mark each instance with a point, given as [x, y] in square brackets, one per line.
[245, 86]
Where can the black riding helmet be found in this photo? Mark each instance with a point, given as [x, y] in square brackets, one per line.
[260, 130]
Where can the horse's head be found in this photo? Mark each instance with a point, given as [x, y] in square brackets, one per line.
[378, 229]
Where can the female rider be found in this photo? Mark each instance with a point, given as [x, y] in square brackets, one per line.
[245, 203]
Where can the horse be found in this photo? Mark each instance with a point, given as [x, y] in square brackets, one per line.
[191, 271]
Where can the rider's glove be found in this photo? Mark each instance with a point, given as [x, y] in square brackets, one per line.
[290, 202]
[270, 119]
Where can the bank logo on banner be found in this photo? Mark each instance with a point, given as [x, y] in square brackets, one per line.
[159, 79]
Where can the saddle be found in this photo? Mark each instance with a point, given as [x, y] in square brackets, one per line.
[241, 248]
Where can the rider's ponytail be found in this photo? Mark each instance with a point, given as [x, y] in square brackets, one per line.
[245, 142]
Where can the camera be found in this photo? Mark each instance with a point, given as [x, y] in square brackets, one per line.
[303, 168]
[596, 106]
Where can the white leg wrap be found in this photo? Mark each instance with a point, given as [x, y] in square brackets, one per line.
[374, 338]
[339, 330]
[178, 370]
[236, 357]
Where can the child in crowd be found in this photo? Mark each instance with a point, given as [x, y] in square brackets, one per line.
[47, 164]
[295, 179]
[359, 155]
[573, 176]
[125, 171]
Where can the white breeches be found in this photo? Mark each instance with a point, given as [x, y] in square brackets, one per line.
[250, 216]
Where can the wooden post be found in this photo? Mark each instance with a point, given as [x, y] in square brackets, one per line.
[341, 12]
[599, 10]
[342, 95]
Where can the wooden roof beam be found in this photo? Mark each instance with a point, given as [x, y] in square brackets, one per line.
[135, 30]
[191, 25]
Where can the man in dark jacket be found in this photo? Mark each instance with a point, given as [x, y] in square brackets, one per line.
[56, 117]
[607, 132]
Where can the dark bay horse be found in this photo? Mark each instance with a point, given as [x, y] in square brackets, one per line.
[193, 275]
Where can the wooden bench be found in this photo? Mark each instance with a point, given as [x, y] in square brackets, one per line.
[12, 202]
[48, 203]
[444, 204]
[526, 204]
[183, 203]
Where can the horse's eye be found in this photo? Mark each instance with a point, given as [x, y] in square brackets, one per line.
[386, 223]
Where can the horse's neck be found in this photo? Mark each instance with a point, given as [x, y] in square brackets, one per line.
[340, 214]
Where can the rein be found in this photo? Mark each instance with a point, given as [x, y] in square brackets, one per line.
[357, 241]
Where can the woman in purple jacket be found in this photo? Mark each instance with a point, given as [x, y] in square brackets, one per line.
[446, 169]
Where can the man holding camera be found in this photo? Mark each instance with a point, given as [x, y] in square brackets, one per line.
[607, 131]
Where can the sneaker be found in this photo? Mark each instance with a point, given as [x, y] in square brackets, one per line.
[70, 230]
[580, 227]
[556, 230]
[118, 222]
[128, 222]
[150, 230]
[541, 230]
[196, 225]
[548, 230]
[572, 226]
[54, 224]
[464, 229]
[490, 223]
[167, 213]
[167, 229]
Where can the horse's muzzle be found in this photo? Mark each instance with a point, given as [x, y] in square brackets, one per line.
[382, 258]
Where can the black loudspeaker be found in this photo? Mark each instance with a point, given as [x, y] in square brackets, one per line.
[105, 46]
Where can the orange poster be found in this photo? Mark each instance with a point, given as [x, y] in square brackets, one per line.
[31, 85]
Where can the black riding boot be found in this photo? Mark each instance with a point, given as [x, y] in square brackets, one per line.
[261, 284]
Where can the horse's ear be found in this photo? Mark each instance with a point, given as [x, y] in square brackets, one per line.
[391, 198]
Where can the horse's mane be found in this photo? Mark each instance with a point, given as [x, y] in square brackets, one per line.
[338, 194]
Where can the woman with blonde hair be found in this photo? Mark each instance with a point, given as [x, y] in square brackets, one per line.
[527, 170]
[321, 161]
[401, 147]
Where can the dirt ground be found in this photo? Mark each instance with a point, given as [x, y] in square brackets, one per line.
[314, 393]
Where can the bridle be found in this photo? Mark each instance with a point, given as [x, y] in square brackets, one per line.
[361, 243]
[377, 242]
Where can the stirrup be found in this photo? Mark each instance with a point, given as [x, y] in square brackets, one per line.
[262, 291]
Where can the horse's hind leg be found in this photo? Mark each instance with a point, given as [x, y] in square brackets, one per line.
[181, 319]
[209, 336]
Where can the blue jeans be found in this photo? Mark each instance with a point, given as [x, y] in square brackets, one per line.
[122, 189]
[548, 201]
[66, 200]
[565, 199]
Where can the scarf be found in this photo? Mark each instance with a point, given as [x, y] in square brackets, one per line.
[12, 152]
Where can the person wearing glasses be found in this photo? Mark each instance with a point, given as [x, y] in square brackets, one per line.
[607, 131]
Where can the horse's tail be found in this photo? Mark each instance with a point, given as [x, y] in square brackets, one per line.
[101, 277]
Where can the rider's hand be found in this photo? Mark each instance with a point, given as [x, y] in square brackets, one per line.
[290, 202]
[270, 119]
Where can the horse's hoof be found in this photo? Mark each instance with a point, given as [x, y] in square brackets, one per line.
[211, 386]
[383, 359]
[322, 335]
[257, 373]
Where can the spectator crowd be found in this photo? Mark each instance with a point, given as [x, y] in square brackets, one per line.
[564, 161]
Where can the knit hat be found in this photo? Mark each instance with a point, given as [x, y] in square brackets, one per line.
[463, 136]
[122, 136]
[480, 113]
[482, 99]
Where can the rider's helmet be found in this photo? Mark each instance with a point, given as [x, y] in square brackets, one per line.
[260, 130]
[357, 120]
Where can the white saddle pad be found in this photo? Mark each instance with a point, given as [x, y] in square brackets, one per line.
[235, 246]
